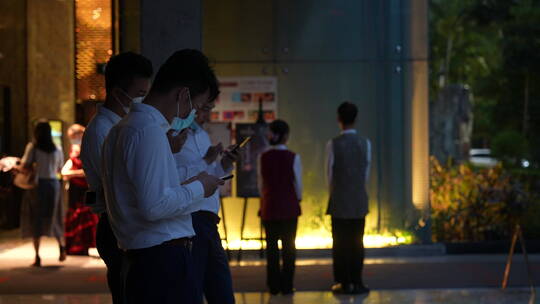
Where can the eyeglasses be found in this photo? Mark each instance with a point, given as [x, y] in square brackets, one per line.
[206, 108]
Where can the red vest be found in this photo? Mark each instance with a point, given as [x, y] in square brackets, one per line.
[278, 199]
[77, 181]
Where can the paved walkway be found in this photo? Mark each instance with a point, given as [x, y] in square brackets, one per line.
[86, 275]
[448, 296]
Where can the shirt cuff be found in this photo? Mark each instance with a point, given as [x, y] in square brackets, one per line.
[197, 190]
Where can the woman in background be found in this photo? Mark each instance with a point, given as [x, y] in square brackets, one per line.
[80, 221]
[280, 183]
[42, 212]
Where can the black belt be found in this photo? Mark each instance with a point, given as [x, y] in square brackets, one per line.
[183, 242]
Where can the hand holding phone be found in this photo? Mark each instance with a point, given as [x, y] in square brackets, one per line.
[241, 145]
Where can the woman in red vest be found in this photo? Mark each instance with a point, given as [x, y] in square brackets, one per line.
[280, 182]
[80, 222]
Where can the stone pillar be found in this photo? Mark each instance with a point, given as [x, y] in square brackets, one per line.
[417, 115]
[167, 26]
[13, 69]
[50, 61]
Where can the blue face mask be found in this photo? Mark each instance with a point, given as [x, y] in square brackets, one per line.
[195, 127]
[178, 124]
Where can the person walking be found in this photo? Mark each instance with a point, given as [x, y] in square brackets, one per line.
[42, 212]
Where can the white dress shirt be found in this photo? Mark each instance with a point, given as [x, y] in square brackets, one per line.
[297, 168]
[145, 202]
[330, 157]
[190, 162]
[48, 164]
[92, 142]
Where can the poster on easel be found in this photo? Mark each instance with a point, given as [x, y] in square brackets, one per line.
[246, 183]
[239, 99]
[220, 132]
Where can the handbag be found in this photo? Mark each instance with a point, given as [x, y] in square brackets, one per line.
[27, 179]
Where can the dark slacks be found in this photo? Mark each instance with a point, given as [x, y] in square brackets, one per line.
[280, 278]
[107, 247]
[161, 274]
[348, 250]
[212, 271]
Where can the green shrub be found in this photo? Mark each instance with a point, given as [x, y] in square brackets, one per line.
[476, 204]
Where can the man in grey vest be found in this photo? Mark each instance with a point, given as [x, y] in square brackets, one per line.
[348, 163]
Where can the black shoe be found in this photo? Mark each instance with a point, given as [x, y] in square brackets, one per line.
[274, 292]
[359, 289]
[37, 262]
[63, 254]
[340, 288]
[286, 292]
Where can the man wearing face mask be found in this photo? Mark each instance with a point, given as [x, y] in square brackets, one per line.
[213, 275]
[149, 208]
[127, 80]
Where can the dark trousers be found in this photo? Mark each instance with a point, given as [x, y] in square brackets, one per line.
[348, 250]
[107, 247]
[280, 278]
[212, 271]
[161, 274]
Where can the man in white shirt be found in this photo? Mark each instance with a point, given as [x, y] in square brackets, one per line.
[213, 275]
[150, 211]
[348, 163]
[127, 78]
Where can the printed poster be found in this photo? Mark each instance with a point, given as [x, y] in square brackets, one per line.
[240, 96]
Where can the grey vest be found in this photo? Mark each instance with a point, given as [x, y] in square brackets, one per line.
[348, 195]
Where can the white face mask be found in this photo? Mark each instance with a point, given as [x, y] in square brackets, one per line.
[133, 100]
[138, 99]
[178, 124]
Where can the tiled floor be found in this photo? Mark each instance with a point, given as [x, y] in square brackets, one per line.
[450, 296]
[419, 280]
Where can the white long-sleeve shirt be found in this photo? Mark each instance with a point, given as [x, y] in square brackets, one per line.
[330, 158]
[297, 168]
[92, 142]
[146, 204]
[190, 162]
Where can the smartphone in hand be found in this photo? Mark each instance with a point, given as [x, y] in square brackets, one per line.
[242, 144]
[228, 177]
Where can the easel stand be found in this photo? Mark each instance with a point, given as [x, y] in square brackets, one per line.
[518, 234]
[225, 233]
[243, 226]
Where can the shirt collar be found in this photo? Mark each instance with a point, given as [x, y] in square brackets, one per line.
[280, 147]
[154, 113]
[349, 131]
[110, 115]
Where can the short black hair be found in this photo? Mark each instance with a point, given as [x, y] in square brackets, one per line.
[347, 113]
[279, 128]
[189, 68]
[124, 67]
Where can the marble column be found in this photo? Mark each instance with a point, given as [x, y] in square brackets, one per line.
[50, 61]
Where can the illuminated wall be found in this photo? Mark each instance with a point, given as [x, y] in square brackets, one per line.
[373, 53]
[94, 46]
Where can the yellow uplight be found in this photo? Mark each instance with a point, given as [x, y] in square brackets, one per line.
[324, 242]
